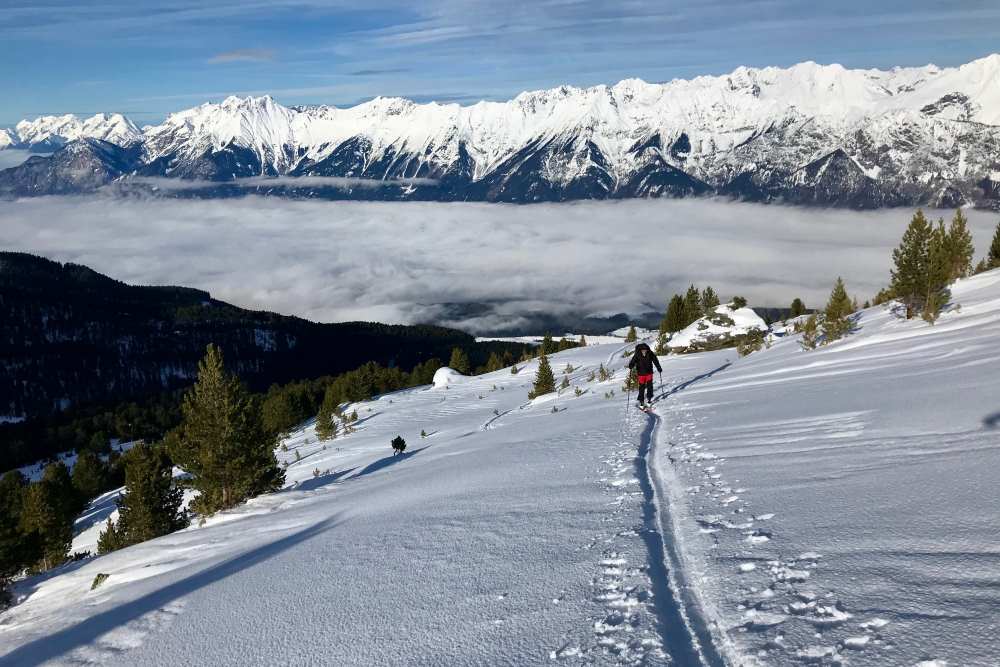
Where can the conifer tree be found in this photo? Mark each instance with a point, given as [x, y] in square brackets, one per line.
[631, 336]
[326, 425]
[993, 256]
[631, 381]
[836, 322]
[739, 302]
[810, 332]
[545, 381]
[583, 341]
[940, 264]
[150, 505]
[459, 361]
[960, 248]
[798, 308]
[565, 383]
[692, 305]
[222, 441]
[602, 374]
[675, 318]
[88, 476]
[13, 551]
[64, 494]
[548, 347]
[909, 273]
[709, 301]
[45, 525]
[493, 363]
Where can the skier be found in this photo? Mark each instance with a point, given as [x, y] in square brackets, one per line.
[643, 362]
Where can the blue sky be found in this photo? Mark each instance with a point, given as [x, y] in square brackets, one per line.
[149, 58]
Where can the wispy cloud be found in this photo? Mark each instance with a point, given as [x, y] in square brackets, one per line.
[379, 72]
[484, 267]
[242, 56]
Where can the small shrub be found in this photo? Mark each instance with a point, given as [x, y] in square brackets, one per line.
[99, 579]
[316, 472]
[578, 392]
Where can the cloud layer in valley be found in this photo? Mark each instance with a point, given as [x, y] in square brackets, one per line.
[482, 267]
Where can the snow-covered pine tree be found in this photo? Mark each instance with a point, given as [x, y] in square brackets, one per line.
[836, 320]
[909, 273]
[798, 308]
[150, 504]
[583, 341]
[709, 301]
[221, 440]
[459, 361]
[692, 305]
[631, 336]
[960, 248]
[545, 381]
[565, 383]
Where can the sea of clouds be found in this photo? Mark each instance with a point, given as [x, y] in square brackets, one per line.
[422, 262]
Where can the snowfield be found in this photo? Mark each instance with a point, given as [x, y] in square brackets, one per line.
[836, 506]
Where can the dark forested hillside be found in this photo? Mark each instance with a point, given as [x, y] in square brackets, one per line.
[71, 336]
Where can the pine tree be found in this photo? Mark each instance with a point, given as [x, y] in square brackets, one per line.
[459, 361]
[45, 525]
[493, 363]
[809, 333]
[993, 256]
[960, 248]
[709, 301]
[545, 381]
[565, 383]
[88, 476]
[675, 318]
[64, 494]
[603, 375]
[836, 322]
[583, 341]
[798, 308]
[909, 273]
[222, 441]
[548, 347]
[739, 302]
[631, 336]
[631, 381]
[150, 505]
[692, 305]
[13, 552]
[940, 264]
[326, 425]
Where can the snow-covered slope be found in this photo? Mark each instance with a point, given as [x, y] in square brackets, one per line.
[827, 507]
[810, 133]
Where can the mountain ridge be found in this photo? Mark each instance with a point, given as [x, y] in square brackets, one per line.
[906, 136]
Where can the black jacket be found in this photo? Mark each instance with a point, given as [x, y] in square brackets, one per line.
[643, 365]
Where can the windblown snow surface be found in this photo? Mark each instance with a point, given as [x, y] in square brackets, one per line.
[789, 507]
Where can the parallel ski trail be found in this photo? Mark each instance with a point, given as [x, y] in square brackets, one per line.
[686, 631]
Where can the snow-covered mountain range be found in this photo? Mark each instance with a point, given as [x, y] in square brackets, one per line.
[813, 134]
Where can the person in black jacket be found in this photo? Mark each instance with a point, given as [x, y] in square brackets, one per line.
[643, 362]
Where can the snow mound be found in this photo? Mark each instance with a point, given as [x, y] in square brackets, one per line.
[717, 330]
[445, 376]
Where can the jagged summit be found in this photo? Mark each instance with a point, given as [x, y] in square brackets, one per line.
[910, 132]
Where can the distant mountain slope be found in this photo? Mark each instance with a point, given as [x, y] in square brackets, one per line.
[69, 335]
[808, 134]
